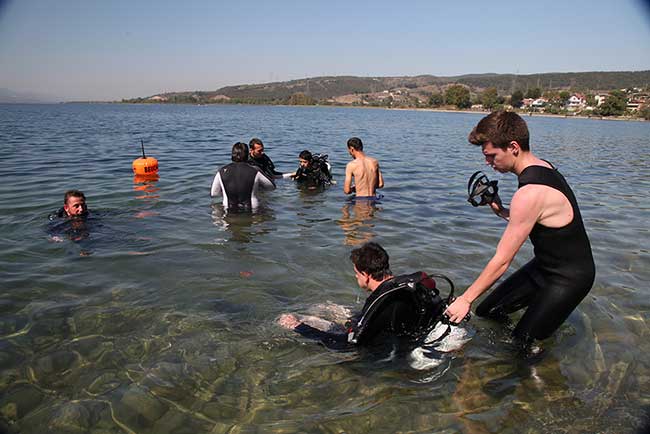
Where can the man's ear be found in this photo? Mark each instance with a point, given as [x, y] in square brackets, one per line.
[515, 147]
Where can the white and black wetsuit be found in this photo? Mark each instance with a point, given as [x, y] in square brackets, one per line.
[553, 284]
[239, 183]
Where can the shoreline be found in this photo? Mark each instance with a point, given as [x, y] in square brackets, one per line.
[424, 109]
[528, 114]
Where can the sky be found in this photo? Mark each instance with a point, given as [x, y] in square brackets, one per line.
[103, 50]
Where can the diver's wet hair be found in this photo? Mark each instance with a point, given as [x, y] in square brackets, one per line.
[501, 128]
[255, 141]
[72, 193]
[305, 155]
[371, 258]
[355, 143]
[239, 152]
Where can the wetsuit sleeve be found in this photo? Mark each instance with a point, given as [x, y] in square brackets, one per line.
[335, 341]
[271, 166]
[264, 182]
[216, 189]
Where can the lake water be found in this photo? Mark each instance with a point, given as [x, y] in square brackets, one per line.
[160, 318]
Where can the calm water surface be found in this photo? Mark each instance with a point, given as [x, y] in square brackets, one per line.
[159, 318]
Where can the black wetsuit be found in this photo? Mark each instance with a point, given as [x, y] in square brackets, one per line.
[73, 227]
[238, 183]
[398, 322]
[265, 164]
[556, 280]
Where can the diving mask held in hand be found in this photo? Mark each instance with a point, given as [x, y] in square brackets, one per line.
[480, 190]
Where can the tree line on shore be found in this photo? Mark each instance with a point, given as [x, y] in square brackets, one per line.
[459, 93]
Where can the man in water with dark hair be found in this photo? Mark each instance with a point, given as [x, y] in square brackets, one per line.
[313, 170]
[71, 219]
[365, 171]
[74, 204]
[239, 182]
[400, 311]
[545, 209]
[258, 158]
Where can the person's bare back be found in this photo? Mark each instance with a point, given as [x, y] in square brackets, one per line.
[365, 171]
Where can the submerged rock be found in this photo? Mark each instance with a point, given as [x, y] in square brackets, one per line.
[19, 401]
[53, 365]
[72, 416]
[139, 401]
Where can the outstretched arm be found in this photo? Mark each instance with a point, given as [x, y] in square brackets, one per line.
[330, 339]
[524, 213]
[264, 182]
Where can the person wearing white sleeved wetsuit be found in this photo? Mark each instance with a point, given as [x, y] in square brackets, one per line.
[239, 182]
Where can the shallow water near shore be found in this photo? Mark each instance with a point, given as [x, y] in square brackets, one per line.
[159, 315]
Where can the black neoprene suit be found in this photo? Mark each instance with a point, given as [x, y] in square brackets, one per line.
[397, 319]
[266, 165]
[556, 280]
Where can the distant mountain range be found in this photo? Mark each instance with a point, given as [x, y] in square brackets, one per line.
[340, 89]
[11, 96]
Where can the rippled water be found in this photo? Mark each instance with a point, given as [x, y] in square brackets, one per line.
[161, 317]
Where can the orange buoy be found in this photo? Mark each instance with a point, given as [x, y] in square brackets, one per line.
[145, 166]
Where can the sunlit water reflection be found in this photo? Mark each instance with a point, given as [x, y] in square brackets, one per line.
[161, 317]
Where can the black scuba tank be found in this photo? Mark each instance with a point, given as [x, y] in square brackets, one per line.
[418, 289]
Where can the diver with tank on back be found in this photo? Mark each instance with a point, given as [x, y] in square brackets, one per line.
[314, 170]
[239, 182]
[402, 312]
[543, 209]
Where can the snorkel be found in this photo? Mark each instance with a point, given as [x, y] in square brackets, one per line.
[480, 190]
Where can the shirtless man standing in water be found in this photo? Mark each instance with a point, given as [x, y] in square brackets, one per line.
[364, 169]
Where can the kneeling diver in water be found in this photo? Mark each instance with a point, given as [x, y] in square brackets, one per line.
[401, 311]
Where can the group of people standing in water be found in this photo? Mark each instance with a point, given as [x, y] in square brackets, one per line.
[406, 307]
[251, 171]
[544, 208]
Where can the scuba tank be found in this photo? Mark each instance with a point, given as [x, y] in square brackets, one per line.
[419, 289]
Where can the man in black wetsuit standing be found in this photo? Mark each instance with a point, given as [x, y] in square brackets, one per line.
[239, 182]
[545, 209]
[258, 158]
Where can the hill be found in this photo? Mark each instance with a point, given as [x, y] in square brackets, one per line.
[410, 90]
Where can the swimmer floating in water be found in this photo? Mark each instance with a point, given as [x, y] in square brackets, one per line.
[74, 205]
[401, 311]
[70, 220]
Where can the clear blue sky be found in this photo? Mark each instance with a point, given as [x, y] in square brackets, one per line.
[113, 49]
